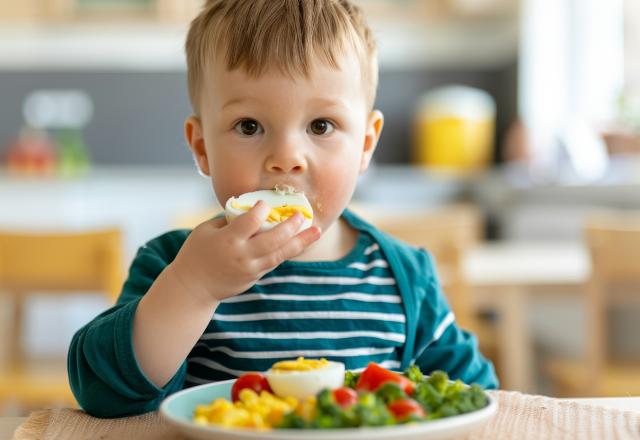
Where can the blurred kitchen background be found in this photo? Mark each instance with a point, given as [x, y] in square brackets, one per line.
[511, 149]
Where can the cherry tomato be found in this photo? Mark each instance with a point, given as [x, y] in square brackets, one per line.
[345, 397]
[254, 381]
[403, 408]
[374, 376]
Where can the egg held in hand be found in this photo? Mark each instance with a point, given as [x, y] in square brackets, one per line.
[302, 378]
[284, 202]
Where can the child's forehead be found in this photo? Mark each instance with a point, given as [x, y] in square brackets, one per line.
[332, 83]
[345, 60]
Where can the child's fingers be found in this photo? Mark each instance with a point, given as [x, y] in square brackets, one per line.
[290, 249]
[217, 222]
[249, 223]
[267, 242]
[212, 223]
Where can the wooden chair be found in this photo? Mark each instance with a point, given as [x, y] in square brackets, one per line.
[614, 244]
[447, 233]
[56, 263]
[190, 220]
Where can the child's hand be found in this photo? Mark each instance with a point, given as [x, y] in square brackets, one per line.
[220, 260]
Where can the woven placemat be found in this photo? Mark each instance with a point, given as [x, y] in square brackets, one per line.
[73, 424]
[519, 416]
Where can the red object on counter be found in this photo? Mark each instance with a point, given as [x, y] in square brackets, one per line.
[31, 154]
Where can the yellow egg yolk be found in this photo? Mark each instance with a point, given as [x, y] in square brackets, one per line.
[300, 364]
[280, 213]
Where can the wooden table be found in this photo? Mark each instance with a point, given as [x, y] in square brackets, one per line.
[506, 276]
[9, 424]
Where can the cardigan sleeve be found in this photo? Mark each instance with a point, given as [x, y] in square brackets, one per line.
[441, 344]
[104, 374]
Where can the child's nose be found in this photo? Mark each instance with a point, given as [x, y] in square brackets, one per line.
[286, 158]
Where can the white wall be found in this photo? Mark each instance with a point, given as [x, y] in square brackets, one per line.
[632, 46]
[571, 72]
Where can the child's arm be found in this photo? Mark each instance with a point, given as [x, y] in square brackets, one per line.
[217, 261]
[103, 372]
[442, 345]
[128, 359]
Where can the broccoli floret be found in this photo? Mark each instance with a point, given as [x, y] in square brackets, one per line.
[442, 399]
[372, 411]
[414, 374]
[439, 380]
[379, 416]
[326, 404]
[329, 413]
[293, 421]
[368, 411]
[465, 403]
[427, 396]
[349, 417]
[327, 421]
[389, 392]
[367, 400]
[446, 410]
[351, 379]
[456, 387]
[478, 396]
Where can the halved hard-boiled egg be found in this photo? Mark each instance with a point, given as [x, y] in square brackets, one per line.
[302, 377]
[283, 200]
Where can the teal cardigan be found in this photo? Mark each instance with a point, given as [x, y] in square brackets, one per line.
[108, 382]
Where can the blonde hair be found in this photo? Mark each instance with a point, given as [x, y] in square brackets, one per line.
[256, 35]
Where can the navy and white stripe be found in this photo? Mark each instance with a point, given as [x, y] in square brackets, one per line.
[347, 310]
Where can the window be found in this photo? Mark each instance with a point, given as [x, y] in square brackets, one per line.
[572, 74]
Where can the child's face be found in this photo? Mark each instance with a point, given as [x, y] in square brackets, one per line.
[313, 134]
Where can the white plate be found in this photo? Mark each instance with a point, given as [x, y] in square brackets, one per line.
[178, 409]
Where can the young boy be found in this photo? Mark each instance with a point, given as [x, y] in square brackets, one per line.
[283, 93]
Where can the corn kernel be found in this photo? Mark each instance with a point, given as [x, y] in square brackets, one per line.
[250, 411]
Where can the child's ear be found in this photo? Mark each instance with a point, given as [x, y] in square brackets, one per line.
[195, 138]
[375, 122]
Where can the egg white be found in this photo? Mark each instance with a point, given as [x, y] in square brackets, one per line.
[302, 384]
[273, 198]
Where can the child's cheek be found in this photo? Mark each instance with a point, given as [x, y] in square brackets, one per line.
[331, 195]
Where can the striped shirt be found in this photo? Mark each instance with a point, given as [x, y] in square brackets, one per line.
[348, 310]
[351, 310]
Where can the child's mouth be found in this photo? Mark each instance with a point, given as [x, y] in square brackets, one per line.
[284, 188]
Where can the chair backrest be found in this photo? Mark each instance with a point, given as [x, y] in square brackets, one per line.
[614, 243]
[613, 240]
[57, 262]
[192, 219]
[447, 233]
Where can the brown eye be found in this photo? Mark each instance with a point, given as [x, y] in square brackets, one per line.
[248, 127]
[321, 126]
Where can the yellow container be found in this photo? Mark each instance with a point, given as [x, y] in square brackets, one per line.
[454, 129]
